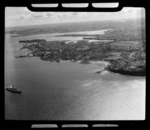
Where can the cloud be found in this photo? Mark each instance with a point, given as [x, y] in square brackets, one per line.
[16, 17]
[29, 16]
[24, 16]
[75, 13]
[37, 16]
[48, 14]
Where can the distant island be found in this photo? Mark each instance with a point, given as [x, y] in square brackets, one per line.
[30, 41]
[124, 57]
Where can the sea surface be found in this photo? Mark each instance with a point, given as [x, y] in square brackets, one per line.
[68, 90]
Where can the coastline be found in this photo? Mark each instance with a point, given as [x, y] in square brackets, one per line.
[129, 62]
[127, 72]
[100, 62]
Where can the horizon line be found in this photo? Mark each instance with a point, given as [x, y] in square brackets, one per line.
[73, 22]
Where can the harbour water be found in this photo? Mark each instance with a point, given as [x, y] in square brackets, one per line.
[68, 90]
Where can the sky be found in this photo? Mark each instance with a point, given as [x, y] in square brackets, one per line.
[21, 16]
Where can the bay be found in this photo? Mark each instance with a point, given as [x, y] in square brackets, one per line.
[68, 90]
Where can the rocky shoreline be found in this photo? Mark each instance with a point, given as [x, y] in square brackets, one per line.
[129, 72]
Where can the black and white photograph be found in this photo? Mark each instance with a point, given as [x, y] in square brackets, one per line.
[75, 65]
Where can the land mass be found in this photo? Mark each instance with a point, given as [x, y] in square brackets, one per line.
[122, 45]
[124, 57]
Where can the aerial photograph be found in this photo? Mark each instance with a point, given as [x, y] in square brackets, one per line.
[74, 65]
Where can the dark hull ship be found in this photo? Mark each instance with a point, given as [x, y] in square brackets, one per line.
[13, 89]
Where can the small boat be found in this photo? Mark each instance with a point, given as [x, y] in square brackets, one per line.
[13, 89]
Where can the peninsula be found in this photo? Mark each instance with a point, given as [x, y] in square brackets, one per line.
[124, 57]
[123, 45]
